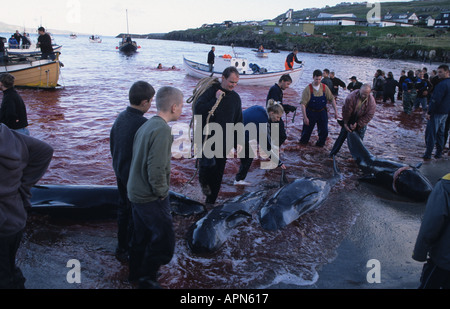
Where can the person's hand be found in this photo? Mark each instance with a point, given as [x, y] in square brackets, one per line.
[283, 167]
[353, 126]
[239, 148]
[306, 121]
[347, 128]
[219, 93]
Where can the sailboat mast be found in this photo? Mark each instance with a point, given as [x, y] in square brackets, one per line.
[128, 31]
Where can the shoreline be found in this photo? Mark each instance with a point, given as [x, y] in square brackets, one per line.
[385, 230]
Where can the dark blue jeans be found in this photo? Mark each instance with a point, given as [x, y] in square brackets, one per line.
[11, 276]
[434, 135]
[153, 241]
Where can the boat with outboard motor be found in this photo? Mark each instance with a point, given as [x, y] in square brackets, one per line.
[249, 74]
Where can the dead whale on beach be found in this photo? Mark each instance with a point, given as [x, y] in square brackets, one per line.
[68, 198]
[209, 233]
[295, 199]
[403, 179]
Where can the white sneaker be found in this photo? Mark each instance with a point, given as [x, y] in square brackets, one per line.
[241, 183]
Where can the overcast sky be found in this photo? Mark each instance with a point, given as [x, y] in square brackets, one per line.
[108, 17]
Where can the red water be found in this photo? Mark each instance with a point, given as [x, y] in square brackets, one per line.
[76, 121]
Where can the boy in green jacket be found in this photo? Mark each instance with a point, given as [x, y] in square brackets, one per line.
[148, 190]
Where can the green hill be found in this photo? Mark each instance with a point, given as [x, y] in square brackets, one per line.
[420, 7]
[419, 43]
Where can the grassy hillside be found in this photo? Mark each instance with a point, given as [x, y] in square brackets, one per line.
[431, 7]
[389, 42]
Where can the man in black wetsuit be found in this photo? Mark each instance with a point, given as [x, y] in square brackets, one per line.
[229, 111]
[45, 43]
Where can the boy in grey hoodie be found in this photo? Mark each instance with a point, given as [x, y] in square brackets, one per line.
[23, 162]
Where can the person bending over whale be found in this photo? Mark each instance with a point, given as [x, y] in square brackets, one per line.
[258, 115]
[358, 110]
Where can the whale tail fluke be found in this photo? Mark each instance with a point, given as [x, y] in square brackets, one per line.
[357, 149]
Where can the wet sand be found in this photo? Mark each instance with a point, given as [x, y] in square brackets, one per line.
[386, 230]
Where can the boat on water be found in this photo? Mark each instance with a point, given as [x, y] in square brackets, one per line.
[249, 74]
[95, 39]
[128, 46]
[73, 36]
[32, 50]
[262, 54]
[32, 71]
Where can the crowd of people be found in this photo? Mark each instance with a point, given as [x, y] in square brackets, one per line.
[141, 150]
[420, 92]
[22, 41]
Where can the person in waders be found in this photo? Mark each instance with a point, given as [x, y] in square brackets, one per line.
[314, 108]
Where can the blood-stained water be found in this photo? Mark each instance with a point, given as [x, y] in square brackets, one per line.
[76, 120]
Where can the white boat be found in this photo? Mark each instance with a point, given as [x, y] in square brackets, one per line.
[95, 39]
[73, 36]
[246, 74]
[31, 51]
[262, 54]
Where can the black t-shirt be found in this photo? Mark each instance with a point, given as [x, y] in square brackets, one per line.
[45, 42]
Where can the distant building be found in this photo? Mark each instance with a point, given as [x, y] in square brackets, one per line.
[403, 18]
[228, 23]
[295, 28]
[326, 15]
[426, 20]
[443, 20]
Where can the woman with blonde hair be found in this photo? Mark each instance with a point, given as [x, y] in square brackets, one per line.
[265, 120]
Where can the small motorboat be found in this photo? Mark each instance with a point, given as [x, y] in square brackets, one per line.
[262, 54]
[95, 39]
[128, 46]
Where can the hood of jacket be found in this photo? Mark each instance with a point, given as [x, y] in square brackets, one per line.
[12, 158]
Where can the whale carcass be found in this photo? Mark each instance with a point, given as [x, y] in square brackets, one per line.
[295, 199]
[209, 233]
[403, 179]
[62, 198]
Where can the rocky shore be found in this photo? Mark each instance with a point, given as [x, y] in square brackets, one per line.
[371, 47]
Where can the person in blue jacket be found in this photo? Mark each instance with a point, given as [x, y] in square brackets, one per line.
[433, 240]
[438, 111]
[259, 115]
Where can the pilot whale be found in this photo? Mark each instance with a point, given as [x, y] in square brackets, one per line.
[79, 197]
[295, 199]
[403, 179]
[212, 231]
